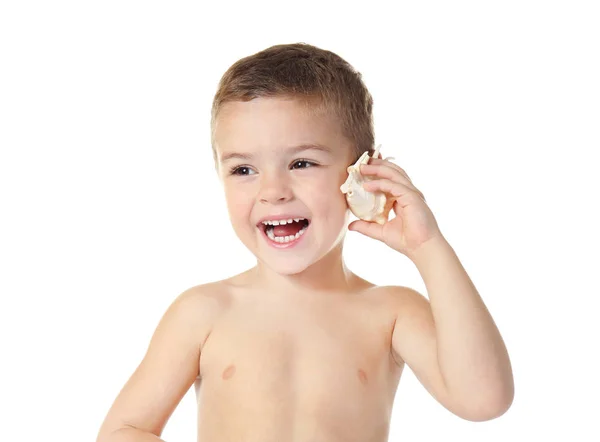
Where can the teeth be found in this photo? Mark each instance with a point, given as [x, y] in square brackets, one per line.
[285, 239]
[282, 221]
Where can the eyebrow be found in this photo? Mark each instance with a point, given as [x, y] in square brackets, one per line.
[292, 150]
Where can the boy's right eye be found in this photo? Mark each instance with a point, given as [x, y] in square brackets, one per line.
[241, 170]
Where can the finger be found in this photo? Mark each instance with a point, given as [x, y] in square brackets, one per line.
[372, 230]
[388, 163]
[395, 167]
[392, 187]
[382, 171]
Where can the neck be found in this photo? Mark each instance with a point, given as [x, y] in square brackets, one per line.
[328, 275]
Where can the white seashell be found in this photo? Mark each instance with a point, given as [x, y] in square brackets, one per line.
[365, 205]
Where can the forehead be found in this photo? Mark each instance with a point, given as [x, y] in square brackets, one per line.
[273, 122]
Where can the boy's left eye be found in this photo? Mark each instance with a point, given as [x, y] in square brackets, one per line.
[303, 162]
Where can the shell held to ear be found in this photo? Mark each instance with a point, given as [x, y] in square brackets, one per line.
[365, 205]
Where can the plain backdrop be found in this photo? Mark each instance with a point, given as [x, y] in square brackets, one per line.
[110, 206]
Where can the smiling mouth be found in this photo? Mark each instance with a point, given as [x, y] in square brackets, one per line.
[287, 232]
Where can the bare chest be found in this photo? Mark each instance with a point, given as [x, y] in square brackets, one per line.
[276, 339]
[323, 364]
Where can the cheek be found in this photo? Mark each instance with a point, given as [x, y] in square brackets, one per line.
[330, 179]
[238, 204]
[329, 198]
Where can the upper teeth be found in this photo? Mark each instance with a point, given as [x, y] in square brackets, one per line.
[282, 221]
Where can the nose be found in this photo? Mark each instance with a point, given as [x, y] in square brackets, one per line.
[274, 188]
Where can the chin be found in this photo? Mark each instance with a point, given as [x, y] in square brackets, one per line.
[298, 259]
[288, 269]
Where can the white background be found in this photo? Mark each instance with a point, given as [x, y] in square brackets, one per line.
[110, 206]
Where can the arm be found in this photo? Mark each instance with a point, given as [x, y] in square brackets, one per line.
[451, 342]
[167, 371]
[131, 434]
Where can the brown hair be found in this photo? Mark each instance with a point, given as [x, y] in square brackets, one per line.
[313, 75]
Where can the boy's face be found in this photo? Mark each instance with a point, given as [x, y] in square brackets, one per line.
[266, 176]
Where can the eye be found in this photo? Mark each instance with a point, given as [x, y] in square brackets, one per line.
[303, 162]
[240, 170]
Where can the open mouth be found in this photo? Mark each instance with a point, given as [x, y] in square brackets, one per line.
[284, 232]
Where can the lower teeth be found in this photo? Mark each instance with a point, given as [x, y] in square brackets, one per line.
[285, 239]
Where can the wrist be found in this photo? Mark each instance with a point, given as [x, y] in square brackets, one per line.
[432, 247]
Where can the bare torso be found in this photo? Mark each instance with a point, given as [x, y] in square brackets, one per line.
[282, 367]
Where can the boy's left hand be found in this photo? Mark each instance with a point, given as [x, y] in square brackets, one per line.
[414, 223]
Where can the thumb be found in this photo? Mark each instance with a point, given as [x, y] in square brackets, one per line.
[370, 229]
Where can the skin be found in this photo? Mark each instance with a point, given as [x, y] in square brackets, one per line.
[273, 182]
[299, 347]
[311, 339]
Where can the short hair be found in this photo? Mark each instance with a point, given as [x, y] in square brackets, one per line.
[315, 76]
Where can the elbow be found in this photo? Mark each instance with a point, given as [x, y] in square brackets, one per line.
[487, 407]
[125, 433]
[485, 414]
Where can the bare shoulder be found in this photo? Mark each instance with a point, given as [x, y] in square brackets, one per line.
[400, 298]
[206, 300]
[413, 320]
[196, 309]
[170, 365]
[404, 299]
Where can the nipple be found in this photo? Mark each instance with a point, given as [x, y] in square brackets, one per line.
[228, 372]
[363, 377]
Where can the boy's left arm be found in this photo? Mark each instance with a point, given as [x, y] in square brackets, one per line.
[450, 342]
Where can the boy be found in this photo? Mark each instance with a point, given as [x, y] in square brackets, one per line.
[300, 348]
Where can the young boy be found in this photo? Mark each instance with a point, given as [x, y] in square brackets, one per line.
[299, 347]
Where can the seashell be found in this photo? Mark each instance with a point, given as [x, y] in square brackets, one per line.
[365, 205]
